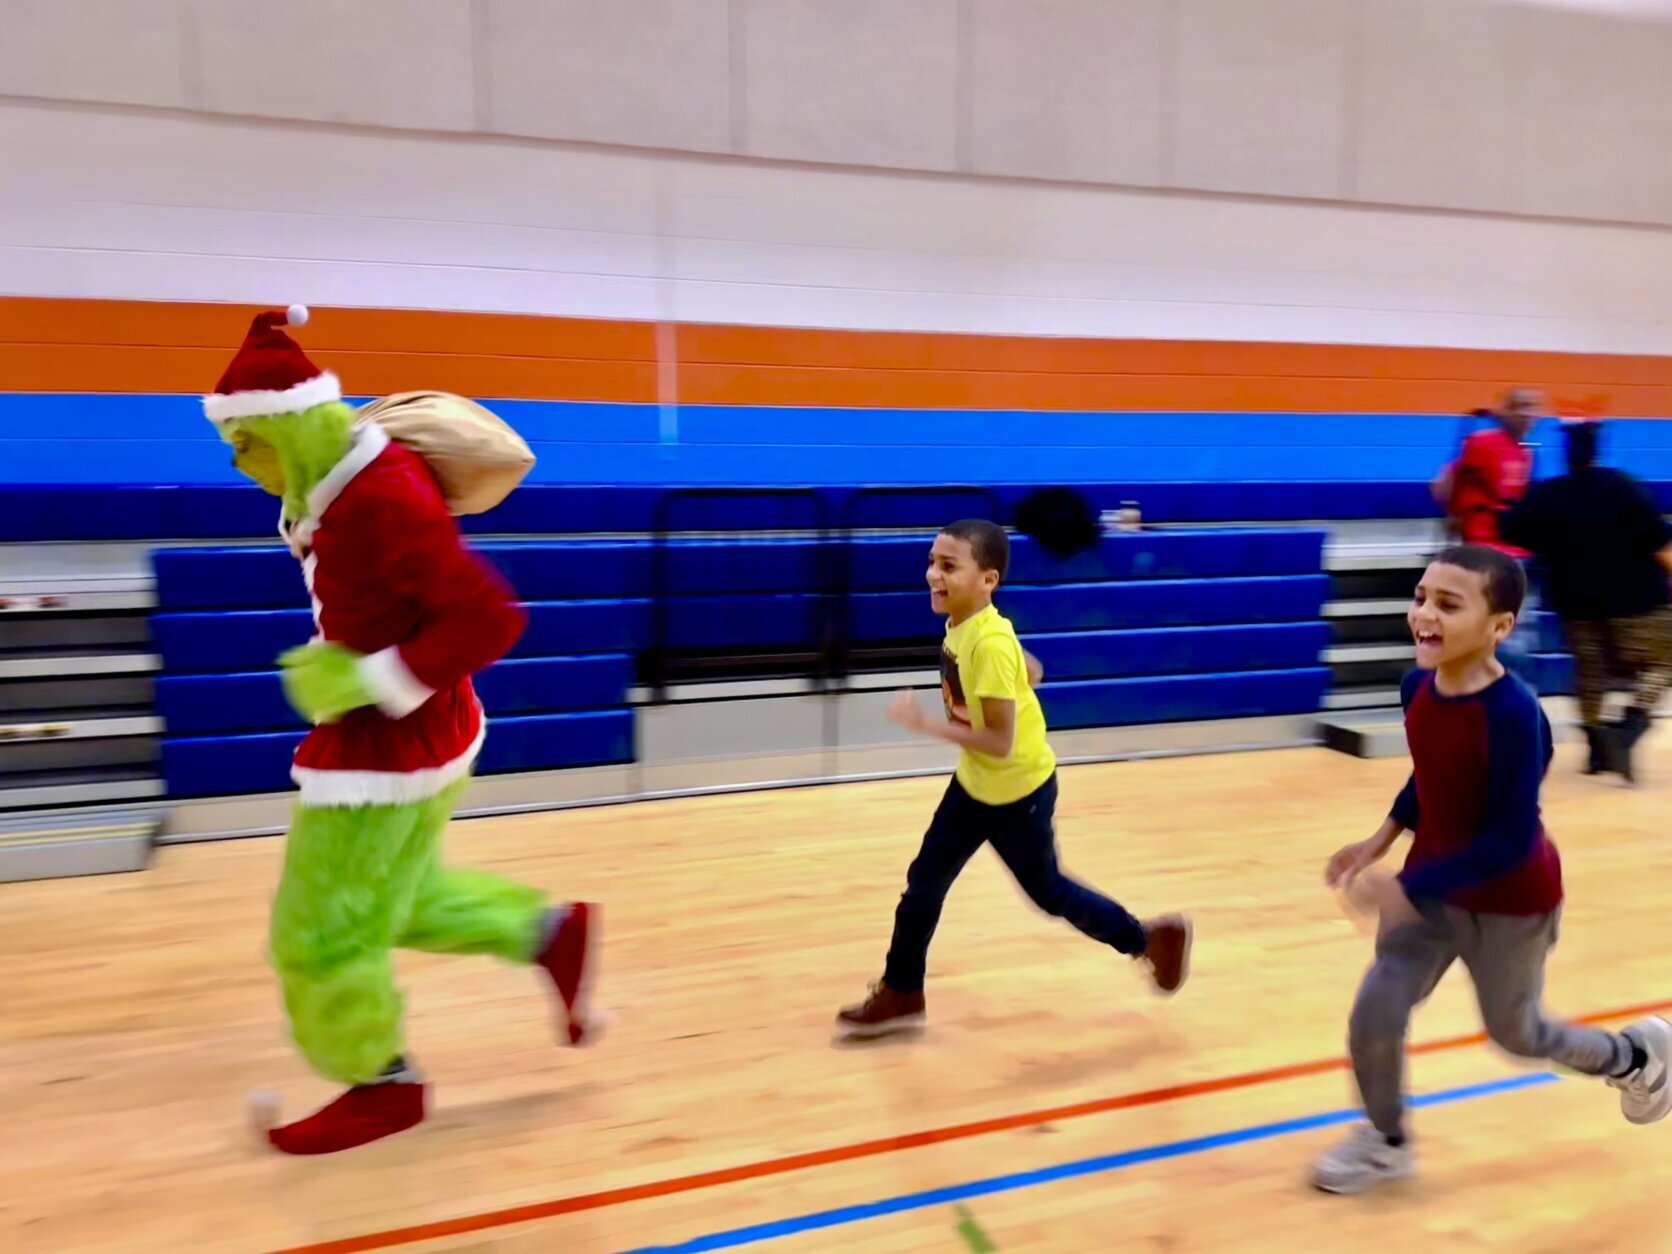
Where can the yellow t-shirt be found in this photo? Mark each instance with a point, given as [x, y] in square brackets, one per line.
[983, 658]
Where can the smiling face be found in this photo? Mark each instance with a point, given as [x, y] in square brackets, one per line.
[1451, 619]
[958, 586]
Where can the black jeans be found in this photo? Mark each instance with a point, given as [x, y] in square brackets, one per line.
[1021, 833]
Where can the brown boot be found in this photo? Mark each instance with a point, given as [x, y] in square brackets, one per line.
[1167, 951]
[882, 1013]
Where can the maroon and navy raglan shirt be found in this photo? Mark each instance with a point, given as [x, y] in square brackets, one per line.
[1472, 799]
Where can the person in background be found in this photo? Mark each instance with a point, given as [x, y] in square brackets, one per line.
[1492, 471]
[1606, 551]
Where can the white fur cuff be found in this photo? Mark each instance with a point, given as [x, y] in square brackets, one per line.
[319, 390]
[397, 689]
[328, 788]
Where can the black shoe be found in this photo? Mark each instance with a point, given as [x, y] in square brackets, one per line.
[1596, 738]
[1622, 738]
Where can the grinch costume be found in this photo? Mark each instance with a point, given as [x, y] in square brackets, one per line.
[404, 615]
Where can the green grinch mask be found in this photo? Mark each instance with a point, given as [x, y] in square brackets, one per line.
[288, 454]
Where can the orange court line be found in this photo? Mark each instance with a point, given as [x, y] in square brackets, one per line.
[534, 1211]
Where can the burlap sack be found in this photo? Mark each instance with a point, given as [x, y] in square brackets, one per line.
[476, 458]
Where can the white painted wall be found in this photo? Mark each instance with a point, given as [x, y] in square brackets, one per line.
[110, 202]
[1165, 168]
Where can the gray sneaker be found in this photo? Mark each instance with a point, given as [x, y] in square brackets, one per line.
[1361, 1161]
[1646, 1094]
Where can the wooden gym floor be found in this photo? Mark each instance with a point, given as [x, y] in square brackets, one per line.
[1053, 1105]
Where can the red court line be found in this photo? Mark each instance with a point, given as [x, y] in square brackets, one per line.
[604, 1198]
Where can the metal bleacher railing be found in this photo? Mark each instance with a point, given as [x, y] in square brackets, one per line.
[854, 522]
[660, 658]
[828, 652]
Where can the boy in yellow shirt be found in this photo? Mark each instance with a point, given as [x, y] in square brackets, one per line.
[1004, 791]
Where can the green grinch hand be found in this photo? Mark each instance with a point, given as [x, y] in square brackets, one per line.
[324, 681]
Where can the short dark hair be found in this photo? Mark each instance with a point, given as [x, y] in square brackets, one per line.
[1582, 439]
[1060, 519]
[1506, 582]
[988, 544]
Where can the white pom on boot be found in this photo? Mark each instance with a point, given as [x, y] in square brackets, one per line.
[262, 1110]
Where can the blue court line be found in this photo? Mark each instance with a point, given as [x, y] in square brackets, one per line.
[754, 1233]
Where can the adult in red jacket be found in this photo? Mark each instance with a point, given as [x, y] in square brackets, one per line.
[1492, 471]
[404, 614]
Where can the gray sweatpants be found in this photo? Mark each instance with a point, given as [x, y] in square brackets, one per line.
[1505, 956]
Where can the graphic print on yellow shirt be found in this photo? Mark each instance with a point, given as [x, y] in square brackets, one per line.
[952, 690]
[982, 658]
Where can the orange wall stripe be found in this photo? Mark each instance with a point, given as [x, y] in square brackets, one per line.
[200, 325]
[129, 368]
[141, 346]
[780, 385]
[1028, 354]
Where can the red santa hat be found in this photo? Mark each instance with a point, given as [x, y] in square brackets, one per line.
[270, 374]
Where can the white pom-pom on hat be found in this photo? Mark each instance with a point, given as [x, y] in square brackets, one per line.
[270, 374]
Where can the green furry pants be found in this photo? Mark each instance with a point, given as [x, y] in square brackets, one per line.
[359, 882]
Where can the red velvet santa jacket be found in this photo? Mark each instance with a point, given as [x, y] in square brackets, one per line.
[391, 579]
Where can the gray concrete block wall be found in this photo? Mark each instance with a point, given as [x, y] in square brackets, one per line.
[395, 63]
[649, 73]
[1068, 89]
[1498, 105]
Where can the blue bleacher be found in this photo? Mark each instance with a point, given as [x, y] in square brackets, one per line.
[224, 765]
[1183, 698]
[1177, 625]
[247, 577]
[255, 701]
[1179, 650]
[1185, 585]
[1552, 663]
[1147, 627]
[1552, 674]
[244, 640]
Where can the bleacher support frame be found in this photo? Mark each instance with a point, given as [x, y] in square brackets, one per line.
[852, 525]
[656, 657]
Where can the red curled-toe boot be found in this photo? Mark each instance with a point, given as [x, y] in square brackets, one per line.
[366, 1113]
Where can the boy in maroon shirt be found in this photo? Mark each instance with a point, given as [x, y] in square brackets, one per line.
[1482, 883]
